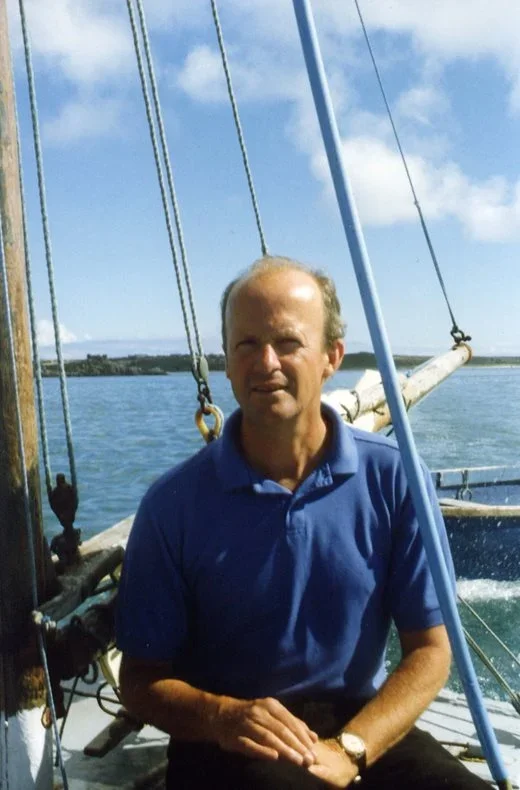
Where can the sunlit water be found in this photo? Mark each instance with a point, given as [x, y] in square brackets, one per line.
[128, 430]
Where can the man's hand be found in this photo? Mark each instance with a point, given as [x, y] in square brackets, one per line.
[332, 764]
[265, 729]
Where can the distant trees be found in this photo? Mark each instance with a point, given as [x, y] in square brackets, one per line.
[138, 365]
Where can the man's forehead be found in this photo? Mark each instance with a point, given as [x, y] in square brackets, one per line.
[275, 285]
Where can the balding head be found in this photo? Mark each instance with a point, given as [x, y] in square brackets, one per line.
[334, 327]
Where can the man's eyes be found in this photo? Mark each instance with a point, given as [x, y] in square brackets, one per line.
[282, 345]
[287, 343]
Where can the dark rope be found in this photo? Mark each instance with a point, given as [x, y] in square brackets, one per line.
[457, 334]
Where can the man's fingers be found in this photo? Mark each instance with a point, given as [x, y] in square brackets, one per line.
[294, 727]
[251, 748]
[276, 736]
[264, 727]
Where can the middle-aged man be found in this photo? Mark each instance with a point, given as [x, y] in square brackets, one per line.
[262, 575]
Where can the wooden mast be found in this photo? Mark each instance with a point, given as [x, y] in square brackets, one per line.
[21, 678]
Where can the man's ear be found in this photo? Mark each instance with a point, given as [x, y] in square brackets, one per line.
[335, 357]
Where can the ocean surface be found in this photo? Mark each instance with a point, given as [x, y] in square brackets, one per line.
[128, 430]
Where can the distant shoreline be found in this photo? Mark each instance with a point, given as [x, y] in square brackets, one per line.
[162, 365]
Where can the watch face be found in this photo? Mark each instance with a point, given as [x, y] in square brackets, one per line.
[352, 744]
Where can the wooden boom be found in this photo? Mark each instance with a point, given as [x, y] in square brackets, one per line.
[365, 405]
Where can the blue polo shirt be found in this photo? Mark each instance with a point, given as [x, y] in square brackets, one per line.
[249, 589]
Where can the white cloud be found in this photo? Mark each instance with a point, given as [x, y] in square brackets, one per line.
[45, 333]
[419, 104]
[257, 75]
[88, 42]
[201, 76]
[488, 210]
[84, 41]
[82, 118]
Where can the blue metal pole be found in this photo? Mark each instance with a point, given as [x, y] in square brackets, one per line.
[362, 268]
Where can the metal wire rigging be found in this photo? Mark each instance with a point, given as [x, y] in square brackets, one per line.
[457, 334]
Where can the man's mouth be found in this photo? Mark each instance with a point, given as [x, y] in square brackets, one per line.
[268, 388]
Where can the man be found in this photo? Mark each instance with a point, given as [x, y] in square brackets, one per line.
[262, 575]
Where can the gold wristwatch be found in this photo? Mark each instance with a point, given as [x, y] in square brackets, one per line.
[355, 747]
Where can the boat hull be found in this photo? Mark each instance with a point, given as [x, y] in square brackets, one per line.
[481, 509]
[485, 548]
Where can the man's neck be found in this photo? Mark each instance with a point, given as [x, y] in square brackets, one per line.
[284, 452]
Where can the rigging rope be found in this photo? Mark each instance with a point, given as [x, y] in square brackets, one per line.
[199, 362]
[169, 174]
[489, 630]
[198, 368]
[32, 320]
[28, 519]
[47, 241]
[457, 334]
[514, 697]
[238, 125]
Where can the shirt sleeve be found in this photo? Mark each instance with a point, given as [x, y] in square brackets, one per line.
[413, 598]
[151, 605]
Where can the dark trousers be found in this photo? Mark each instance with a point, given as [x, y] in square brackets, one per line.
[417, 762]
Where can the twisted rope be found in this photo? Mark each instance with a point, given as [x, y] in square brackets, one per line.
[238, 125]
[160, 178]
[47, 241]
[32, 320]
[169, 174]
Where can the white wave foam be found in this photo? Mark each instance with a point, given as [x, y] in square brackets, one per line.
[488, 589]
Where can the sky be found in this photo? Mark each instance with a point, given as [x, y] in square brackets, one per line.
[452, 76]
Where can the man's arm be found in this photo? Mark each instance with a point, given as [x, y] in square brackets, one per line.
[386, 719]
[261, 728]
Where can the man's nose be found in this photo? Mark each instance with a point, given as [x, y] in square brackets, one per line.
[268, 358]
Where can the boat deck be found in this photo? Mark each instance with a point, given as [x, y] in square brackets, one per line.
[448, 719]
[141, 753]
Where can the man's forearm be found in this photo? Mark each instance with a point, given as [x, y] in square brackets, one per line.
[170, 705]
[261, 728]
[408, 691]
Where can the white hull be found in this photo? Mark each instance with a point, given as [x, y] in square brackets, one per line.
[27, 765]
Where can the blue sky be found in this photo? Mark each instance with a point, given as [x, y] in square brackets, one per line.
[452, 74]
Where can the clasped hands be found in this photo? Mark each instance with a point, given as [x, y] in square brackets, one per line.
[265, 729]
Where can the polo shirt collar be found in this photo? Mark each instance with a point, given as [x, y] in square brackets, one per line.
[234, 472]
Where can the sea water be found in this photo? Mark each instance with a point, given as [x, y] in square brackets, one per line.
[128, 430]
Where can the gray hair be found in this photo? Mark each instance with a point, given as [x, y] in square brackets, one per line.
[334, 327]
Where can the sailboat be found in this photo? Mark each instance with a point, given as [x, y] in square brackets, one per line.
[100, 558]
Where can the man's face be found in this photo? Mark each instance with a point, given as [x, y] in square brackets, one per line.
[276, 359]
